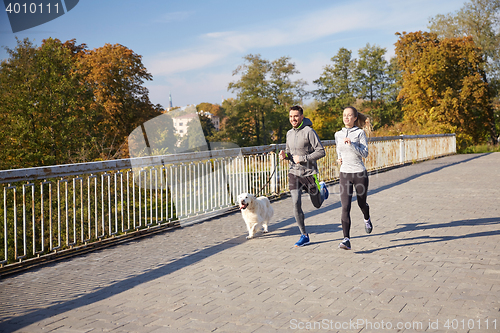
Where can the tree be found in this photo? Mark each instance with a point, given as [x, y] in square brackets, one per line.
[443, 88]
[394, 80]
[336, 90]
[338, 81]
[214, 109]
[265, 90]
[238, 125]
[253, 96]
[40, 105]
[115, 75]
[327, 118]
[371, 73]
[386, 110]
[378, 86]
[479, 19]
[284, 93]
[60, 103]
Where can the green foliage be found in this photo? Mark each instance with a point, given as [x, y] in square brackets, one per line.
[207, 126]
[371, 73]
[337, 89]
[382, 113]
[60, 103]
[338, 81]
[379, 86]
[370, 83]
[327, 118]
[394, 76]
[284, 93]
[252, 101]
[155, 137]
[41, 106]
[265, 91]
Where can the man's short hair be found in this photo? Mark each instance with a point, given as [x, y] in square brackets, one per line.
[297, 108]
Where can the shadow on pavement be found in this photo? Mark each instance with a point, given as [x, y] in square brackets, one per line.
[434, 239]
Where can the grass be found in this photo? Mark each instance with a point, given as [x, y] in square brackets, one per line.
[484, 148]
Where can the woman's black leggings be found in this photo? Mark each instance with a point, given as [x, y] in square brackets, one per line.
[346, 182]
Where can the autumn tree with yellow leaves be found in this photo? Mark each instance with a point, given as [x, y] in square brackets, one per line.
[114, 77]
[443, 90]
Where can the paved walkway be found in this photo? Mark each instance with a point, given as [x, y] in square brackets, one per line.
[432, 264]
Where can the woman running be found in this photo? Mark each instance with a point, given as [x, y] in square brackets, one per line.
[351, 147]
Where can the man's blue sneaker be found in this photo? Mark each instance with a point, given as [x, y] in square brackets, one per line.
[324, 190]
[304, 240]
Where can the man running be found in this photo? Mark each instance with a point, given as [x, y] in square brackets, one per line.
[303, 149]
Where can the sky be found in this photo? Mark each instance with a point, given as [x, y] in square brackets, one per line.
[193, 47]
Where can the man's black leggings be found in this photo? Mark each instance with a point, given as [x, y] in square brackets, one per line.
[311, 185]
[346, 182]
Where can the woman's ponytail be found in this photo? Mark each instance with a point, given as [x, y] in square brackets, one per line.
[362, 121]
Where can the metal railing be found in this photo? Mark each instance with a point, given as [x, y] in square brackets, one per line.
[67, 207]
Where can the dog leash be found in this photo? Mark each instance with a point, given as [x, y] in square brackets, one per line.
[274, 171]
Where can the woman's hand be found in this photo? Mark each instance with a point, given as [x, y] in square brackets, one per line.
[339, 161]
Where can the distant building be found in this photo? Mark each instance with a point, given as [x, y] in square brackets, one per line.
[181, 123]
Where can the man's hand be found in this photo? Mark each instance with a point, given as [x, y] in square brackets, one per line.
[296, 159]
[282, 155]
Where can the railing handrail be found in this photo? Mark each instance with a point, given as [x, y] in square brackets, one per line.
[53, 171]
[404, 137]
[63, 170]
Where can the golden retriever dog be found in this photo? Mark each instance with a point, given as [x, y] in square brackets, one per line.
[255, 212]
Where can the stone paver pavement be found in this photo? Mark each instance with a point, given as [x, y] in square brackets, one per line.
[431, 264]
